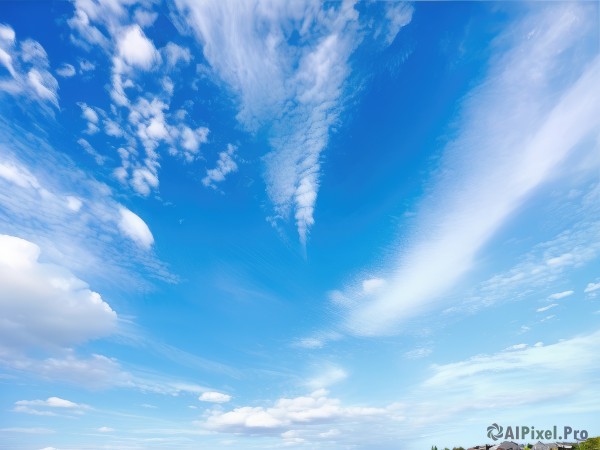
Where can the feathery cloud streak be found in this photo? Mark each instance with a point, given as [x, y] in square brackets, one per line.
[287, 63]
[517, 126]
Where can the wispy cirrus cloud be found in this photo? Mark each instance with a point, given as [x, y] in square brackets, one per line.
[546, 308]
[453, 400]
[559, 295]
[74, 219]
[50, 407]
[527, 103]
[287, 63]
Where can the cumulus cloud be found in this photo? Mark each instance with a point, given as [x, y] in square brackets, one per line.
[45, 305]
[139, 112]
[136, 49]
[135, 228]
[464, 211]
[591, 287]
[225, 165]
[328, 375]
[214, 397]
[285, 413]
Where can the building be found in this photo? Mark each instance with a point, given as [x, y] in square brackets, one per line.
[508, 445]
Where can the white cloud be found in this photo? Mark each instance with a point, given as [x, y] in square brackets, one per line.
[285, 413]
[591, 287]
[91, 116]
[7, 34]
[88, 113]
[144, 18]
[466, 209]
[136, 49]
[398, 15]
[214, 397]
[460, 396]
[318, 340]
[293, 91]
[44, 84]
[372, 285]
[418, 353]
[27, 64]
[225, 165]
[559, 295]
[143, 180]
[174, 54]
[33, 52]
[546, 308]
[94, 372]
[52, 402]
[310, 342]
[191, 140]
[86, 66]
[44, 305]
[532, 274]
[328, 375]
[559, 364]
[87, 147]
[74, 203]
[140, 104]
[112, 128]
[66, 70]
[135, 228]
[106, 429]
[18, 176]
[516, 347]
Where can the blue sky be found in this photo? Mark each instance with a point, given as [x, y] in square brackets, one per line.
[348, 225]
